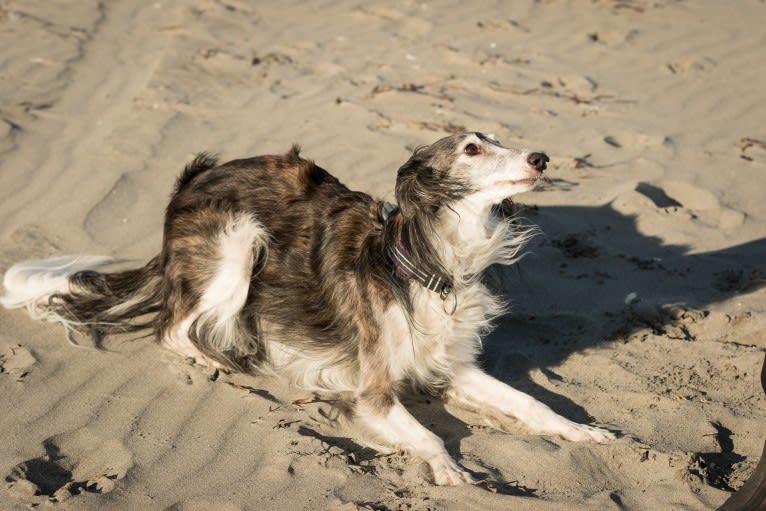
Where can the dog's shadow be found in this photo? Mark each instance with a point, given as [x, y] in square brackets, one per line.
[570, 293]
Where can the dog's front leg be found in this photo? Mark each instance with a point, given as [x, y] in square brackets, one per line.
[391, 424]
[475, 389]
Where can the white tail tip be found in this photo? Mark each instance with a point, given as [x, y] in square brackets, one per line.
[30, 282]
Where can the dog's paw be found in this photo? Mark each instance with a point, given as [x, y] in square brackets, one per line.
[585, 433]
[449, 477]
[448, 473]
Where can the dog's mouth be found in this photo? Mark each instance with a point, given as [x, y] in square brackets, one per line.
[530, 181]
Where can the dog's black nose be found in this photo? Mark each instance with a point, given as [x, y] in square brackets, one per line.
[538, 160]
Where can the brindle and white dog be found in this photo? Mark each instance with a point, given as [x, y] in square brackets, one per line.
[271, 265]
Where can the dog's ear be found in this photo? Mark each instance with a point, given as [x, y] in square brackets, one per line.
[415, 186]
[424, 187]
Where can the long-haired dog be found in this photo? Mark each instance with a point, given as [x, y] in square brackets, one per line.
[271, 265]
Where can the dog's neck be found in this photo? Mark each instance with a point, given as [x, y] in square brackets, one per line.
[460, 242]
[404, 264]
[470, 238]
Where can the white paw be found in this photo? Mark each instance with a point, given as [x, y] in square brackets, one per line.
[585, 433]
[448, 473]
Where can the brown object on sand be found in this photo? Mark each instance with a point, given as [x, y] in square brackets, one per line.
[752, 495]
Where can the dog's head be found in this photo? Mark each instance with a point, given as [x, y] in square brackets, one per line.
[468, 165]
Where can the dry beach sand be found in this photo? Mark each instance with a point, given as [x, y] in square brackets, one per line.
[653, 115]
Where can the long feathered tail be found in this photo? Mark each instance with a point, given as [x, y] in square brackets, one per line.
[73, 291]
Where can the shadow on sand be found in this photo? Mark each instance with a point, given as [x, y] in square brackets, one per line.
[570, 293]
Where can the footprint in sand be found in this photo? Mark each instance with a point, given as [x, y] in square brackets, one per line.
[669, 196]
[704, 205]
[15, 361]
[657, 195]
[692, 66]
[752, 149]
[613, 38]
[577, 84]
[73, 463]
[577, 245]
[630, 145]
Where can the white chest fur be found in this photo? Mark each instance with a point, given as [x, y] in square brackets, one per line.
[427, 350]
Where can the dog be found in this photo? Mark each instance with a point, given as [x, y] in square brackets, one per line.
[270, 265]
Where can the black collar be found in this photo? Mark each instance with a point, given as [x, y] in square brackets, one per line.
[432, 281]
[400, 257]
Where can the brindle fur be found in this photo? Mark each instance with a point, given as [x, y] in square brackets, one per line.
[327, 260]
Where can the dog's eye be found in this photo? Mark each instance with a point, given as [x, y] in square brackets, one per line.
[471, 150]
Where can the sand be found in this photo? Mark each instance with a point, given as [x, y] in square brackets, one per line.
[640, 307]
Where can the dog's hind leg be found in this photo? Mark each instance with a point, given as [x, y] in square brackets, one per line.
[474, 389]
[210, 259]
